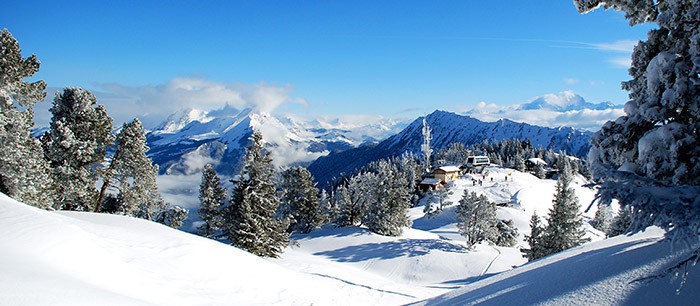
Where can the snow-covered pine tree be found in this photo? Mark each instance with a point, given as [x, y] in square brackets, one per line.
[539, 171]
[174, 216]
[507, 233]
[79, 135]
[299, 200]
[649, 158]
[136, 173]
[564, 228]
[341, 200]
[361, 191]
[535, 240]
[24, 173]
[211, 201]
[621, 223]
[250, 217]
[476, 218]
[603, 218]
[387, 213]
[328, 212]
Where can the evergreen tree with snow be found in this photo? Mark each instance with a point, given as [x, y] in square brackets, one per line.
[341, 200]
[211, 202]
[79, 135]
[327, 210]
[136, 174]
[299, 201]
[565, 224]
[361, 191]
[437, 200]
[507, 233]
[24, 173]
[621, 223]
[603, 218]
[649, 158]
[535, 240]
[387, 213]
[174, 216]
[476, 217]
[539, 171]
[250, 217]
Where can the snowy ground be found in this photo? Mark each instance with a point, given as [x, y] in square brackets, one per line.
[69, 258]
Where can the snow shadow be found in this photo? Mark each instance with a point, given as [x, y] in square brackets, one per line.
[332, 231]
[431, 222]
[601, 271]
[391, 249]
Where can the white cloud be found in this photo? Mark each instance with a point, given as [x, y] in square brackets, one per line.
[153, 103]
[570, 81]
[621, 62]
[624, 46]
[586, 119]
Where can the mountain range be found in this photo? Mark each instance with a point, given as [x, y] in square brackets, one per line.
[448, 128]
[331, 146]
[189, 139]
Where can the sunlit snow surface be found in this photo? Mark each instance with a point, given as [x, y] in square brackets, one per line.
[72, 258]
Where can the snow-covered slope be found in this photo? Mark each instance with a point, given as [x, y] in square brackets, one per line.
[70, 258]
[73, 258]
[189, 139]
[608, 272]
[448, 128]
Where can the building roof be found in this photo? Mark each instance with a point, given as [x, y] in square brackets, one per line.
[449, 168]
[430, 181]
[536, 161]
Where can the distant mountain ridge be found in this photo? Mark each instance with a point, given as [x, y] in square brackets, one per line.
[189, 139]
[448, 128]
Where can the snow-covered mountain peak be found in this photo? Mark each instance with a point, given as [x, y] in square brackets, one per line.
[180, 119]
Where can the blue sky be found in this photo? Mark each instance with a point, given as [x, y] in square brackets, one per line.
[393, 58]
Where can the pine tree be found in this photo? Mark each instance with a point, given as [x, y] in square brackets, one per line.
[77, 140]
[250, 217]
[24, 174]
[507, 234]
[326, 209]
[341, 200]
[539, 171]
[387, 213]
[535, 240]
[173, 216]
[136, 173]
[564, 225]
[477, 218]
[299, 200]
[621, 223]
[361, 191]
[603, 218]
[211, 202]
[649, 158]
